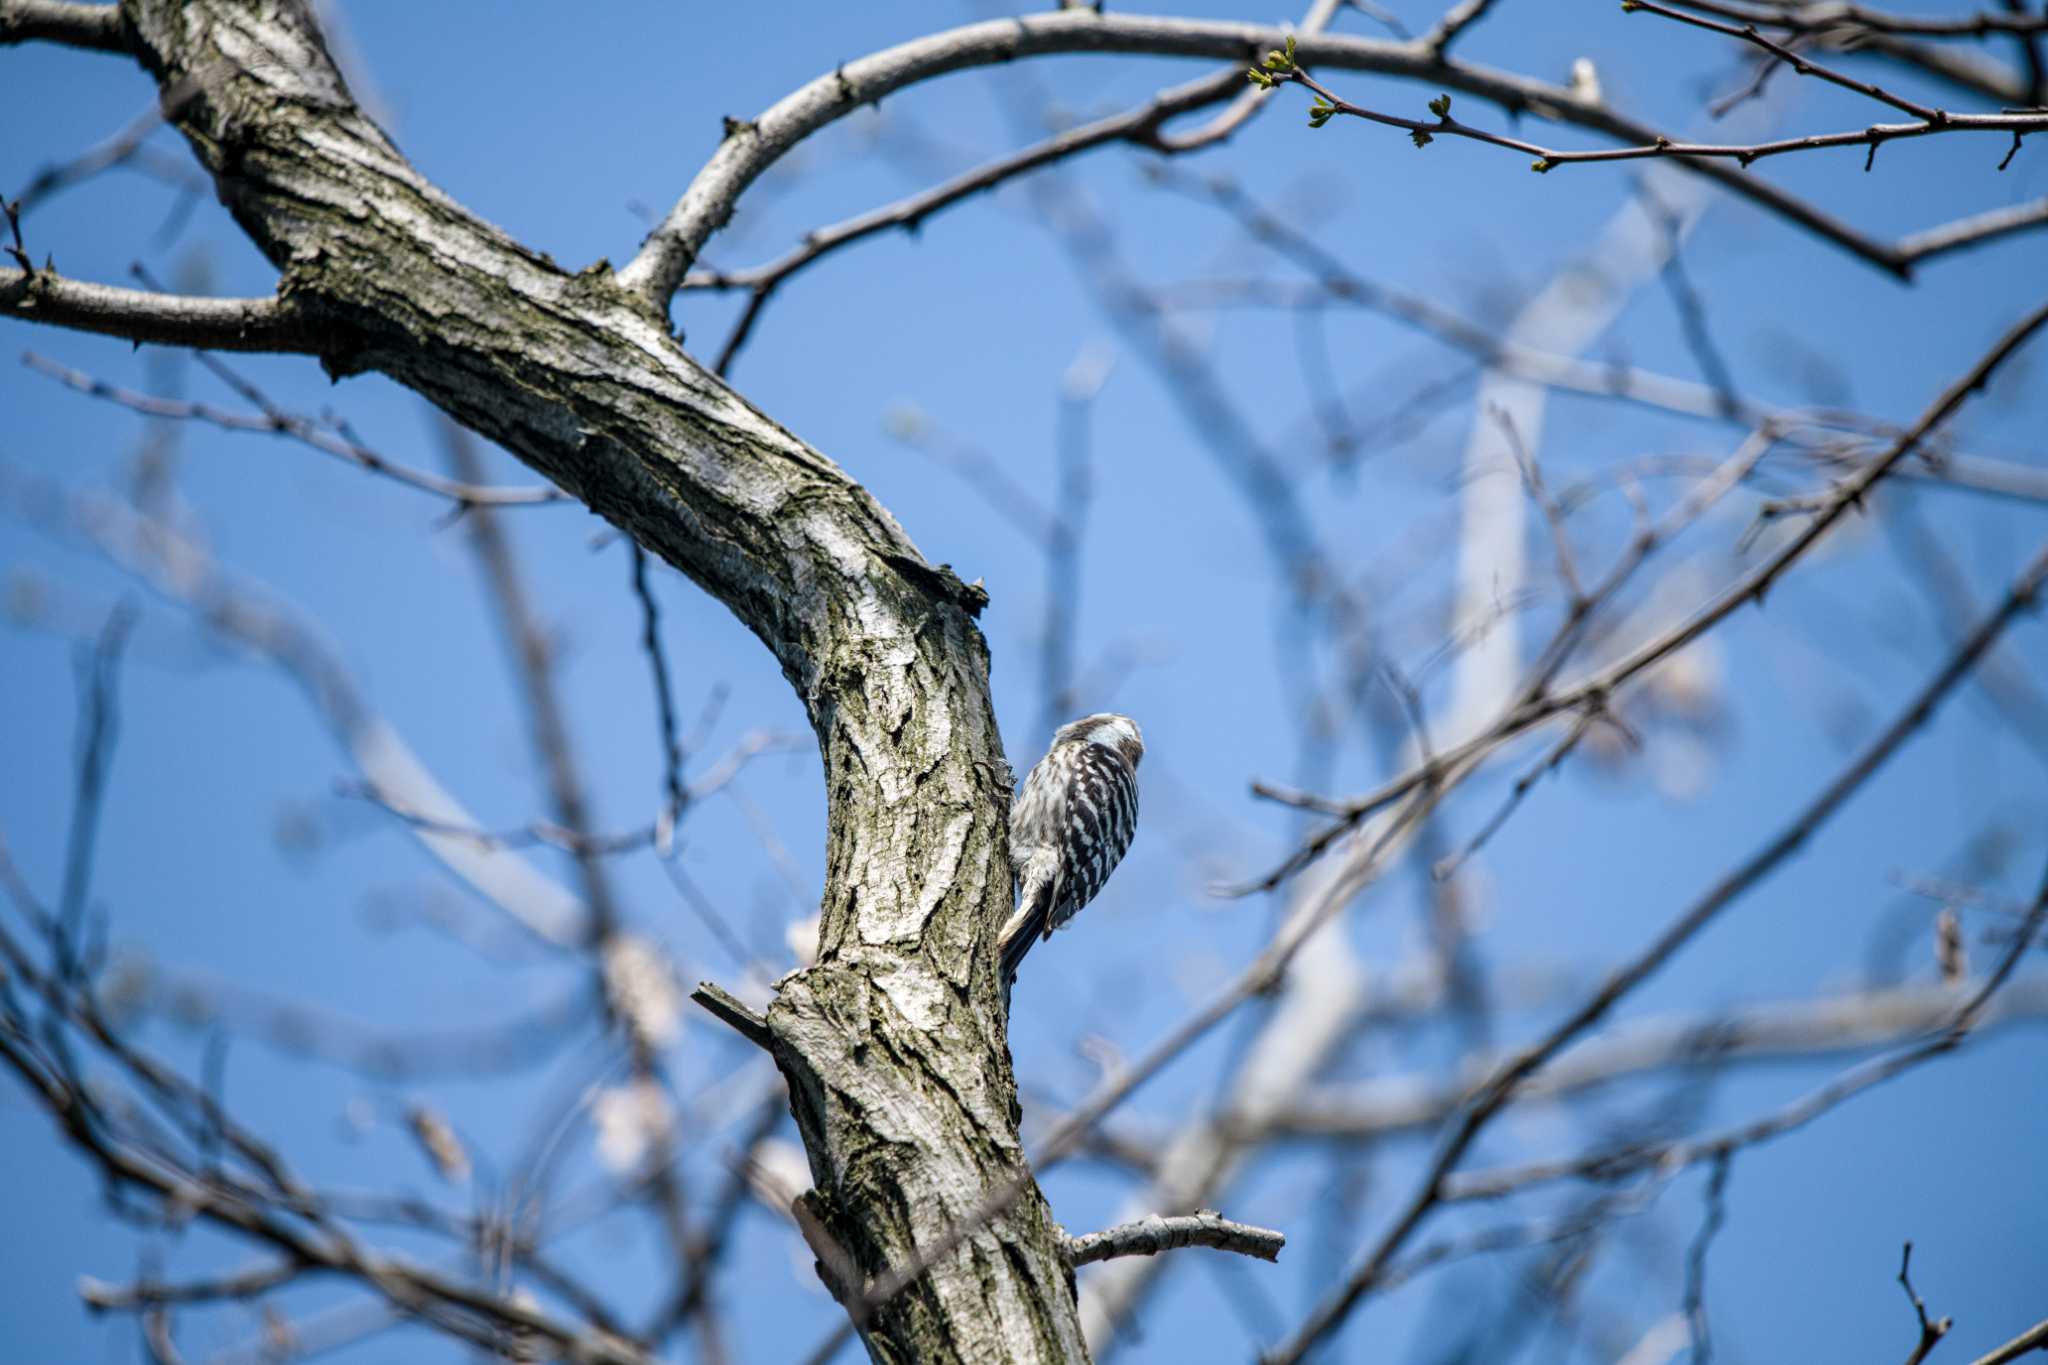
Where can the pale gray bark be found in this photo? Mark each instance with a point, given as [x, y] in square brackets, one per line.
[893, 1042]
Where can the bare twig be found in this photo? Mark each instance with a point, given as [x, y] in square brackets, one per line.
[1150, 1236]
[677, 797]
[305, 430]
[1506, 1081]
[1546, 158]
[2035, 1338]
[750, 147]
[1695, 1308]
[1752, 586]
[1931, 1332]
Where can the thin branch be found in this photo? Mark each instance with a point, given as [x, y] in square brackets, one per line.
[1831, 16]
[1546, 158]
[1696, 1260]
[1456, 20]
[1974, 230]
[1753, 586]
[1143, 126]
[247, 616]
[2035, 1338]
[99, 723]
[750, 147]
[1150, 1236]
[305, 430]
[1391, 1106]
[1798, 63]
[677, 795]
[1666, 1157]
[128, 145]
[137, 315]
[531, 655]
[1931, 1331]
[550, 834]
[1501, 1088]
[103, 1297]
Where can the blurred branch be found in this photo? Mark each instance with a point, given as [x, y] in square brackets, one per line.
[128, 146]
[1974, 230]
[305, 430]
[185, 572]
[2035, 1338]
[1787, 1030]
[1664, 1158]
[1753, 585]
[1695, 1307]
[1506, 1081]
[103, 1297]
[1833, 16]
[1456, 20]
[1318, 1005]
[550, 834]
[99, 706]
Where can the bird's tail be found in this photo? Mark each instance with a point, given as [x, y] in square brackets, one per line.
[1024, 928]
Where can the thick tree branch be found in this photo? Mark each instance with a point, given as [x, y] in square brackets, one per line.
[892, 1042]
[139, 315]
[97, 28]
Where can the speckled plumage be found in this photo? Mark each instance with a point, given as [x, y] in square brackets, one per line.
[1070, 825]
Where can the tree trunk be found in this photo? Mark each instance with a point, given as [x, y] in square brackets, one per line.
[893, 1043]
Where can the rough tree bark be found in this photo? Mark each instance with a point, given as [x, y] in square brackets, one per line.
[893, 1043]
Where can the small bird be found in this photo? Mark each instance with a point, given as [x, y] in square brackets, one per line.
[1070, 825]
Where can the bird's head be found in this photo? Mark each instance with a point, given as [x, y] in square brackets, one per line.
[1113, 732]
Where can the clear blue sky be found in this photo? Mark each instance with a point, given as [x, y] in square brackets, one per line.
[562, 124]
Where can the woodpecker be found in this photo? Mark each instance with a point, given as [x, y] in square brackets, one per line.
[1070, 825]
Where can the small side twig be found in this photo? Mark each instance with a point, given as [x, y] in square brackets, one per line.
[1931, 1332]
[1151, 1235]
[671, 747]
[729, 1010]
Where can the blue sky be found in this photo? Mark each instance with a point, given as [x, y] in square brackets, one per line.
[564, 126]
